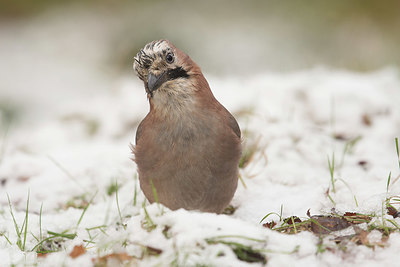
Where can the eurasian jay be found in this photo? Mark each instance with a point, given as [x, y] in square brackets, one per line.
[188, 146]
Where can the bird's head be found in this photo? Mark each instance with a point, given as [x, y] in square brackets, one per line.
[164, 68]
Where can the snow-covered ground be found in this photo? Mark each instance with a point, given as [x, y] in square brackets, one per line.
[70, 147]
[291, 119]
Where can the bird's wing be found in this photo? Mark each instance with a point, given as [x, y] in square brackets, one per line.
[139, 131]
[234, 125]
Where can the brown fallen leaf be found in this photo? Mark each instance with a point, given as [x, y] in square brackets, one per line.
[152, 251]
[355, 218]
[308, 213]
[392, 211]
[269, 225]
[363, 237]
[366, 119]
[343, 239]
[385, 238]
[325, 224]
[77, 251]
[23, 178]
[120, 257]
[292, 219]
[340, 137]
[363, 164]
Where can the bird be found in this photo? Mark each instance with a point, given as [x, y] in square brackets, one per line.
[188, 146]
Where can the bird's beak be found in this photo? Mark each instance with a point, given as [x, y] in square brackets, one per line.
[155, 81]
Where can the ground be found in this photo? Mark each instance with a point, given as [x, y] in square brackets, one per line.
[320, 166]
[316, 142]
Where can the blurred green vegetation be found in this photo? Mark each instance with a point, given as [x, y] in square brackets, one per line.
[360, 35]
[308, 11]
[50, 48]
[8, 114]
[23, 8]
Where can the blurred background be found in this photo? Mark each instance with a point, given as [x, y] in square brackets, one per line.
[54, 51]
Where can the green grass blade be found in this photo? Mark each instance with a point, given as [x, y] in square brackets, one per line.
[135, 193]
[395, 224]
[8, 240]
[40, 222]
[320, 225]
[22, 227]
[96, 227]
[351, 191]
[242, 181]
[15, 222]
[388, 182]
[85, 209]
[348, 148]
[215, 238]
[294, 224]
[64, 235]
[41, 242]
[116, 197]
[53, 235]
[331, 165]
[66, 172]
[266, 216]
[35, 237]
[150, 225]
[285, 225]
[153, 188]
[26, 221]
[331, 199]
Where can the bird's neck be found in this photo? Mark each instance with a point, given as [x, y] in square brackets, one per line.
[181, 98]
[169, 106]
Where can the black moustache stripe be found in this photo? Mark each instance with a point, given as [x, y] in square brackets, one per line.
[177, 73]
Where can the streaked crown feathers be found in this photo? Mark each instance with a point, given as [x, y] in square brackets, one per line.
[146, 56]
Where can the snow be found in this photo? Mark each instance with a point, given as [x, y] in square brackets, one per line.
[291, 116]
[80, 148]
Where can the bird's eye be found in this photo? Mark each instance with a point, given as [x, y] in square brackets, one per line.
[169, 58]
